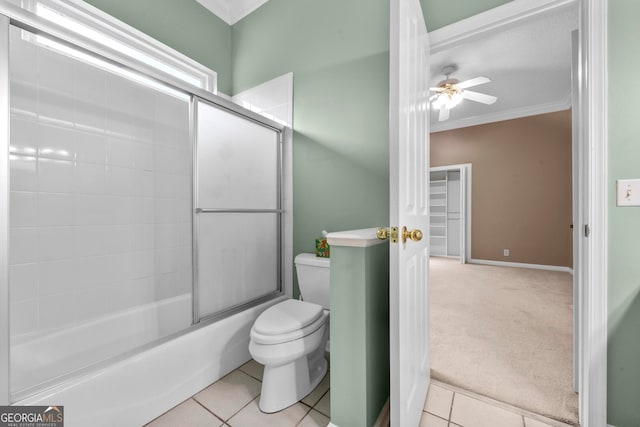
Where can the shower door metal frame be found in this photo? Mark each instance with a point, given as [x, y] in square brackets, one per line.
[11, 15]
[197, 318]
[5, 347]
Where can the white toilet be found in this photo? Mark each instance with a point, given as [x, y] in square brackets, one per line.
[289, 339]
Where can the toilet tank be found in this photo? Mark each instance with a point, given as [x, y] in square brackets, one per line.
[313, 278]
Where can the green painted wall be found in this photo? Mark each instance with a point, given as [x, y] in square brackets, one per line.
[439, 13]
[624, 223]
[185, 26]
[359, 334]
[339, 54]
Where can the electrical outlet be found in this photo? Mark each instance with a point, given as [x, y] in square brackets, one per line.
[506, 252]
[628, 192]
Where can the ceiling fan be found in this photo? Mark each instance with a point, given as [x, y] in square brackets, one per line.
[450, 92]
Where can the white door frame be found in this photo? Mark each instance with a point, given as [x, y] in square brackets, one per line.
[593, 202]
[465, 206]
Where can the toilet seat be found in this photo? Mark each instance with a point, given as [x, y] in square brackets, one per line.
[287, 321]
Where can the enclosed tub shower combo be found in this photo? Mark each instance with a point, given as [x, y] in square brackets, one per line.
[142, 219]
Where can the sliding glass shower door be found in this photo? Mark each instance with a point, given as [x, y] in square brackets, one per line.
[134, 205]
[100, 231]
[238, 215]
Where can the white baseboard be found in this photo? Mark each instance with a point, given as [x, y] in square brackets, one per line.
[522, 265]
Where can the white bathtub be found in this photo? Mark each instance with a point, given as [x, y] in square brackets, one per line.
[36, 358]
[134, 391]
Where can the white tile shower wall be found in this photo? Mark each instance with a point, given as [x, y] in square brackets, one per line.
[273, 99]
[100, 215]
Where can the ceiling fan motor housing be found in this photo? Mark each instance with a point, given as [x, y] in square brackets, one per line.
[448, 83]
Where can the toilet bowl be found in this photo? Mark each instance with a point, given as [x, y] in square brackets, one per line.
[289, 339]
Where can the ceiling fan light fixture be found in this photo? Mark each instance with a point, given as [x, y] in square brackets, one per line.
[450, 92]
[448, 98]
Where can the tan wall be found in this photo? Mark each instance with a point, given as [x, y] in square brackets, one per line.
[521, 186]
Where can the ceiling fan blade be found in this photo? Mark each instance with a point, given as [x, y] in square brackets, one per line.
[436, 89]
[433, 97]
[473, 82]
[444, 114]
[479, 97]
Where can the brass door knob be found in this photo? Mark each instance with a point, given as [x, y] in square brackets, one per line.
[386, 233]
[392, 233]
[382, 233]
[415, 235]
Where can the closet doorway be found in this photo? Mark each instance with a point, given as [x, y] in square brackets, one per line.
[450, 211]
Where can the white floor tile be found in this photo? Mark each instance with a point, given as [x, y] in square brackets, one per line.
[438, 401]
[324, 405]
[470, 412]
[188, 414]
[429, 420]
[314, 419]
[312, 398]
[228, 395]
[251, 416]
[253, 369]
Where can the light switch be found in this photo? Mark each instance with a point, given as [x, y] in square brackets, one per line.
[629, 192]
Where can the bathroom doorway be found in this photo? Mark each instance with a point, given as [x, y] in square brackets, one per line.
[591, 394]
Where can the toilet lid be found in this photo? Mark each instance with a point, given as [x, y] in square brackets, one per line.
[287, 316]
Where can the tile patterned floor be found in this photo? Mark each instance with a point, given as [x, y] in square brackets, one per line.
[448, 406]
[233, 401]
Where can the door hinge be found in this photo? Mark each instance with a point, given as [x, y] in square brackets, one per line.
[587, 230]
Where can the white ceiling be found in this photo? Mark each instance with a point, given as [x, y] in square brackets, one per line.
[529, 65]
[231, 11]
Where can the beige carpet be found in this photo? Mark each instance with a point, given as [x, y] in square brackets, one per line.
[506, 333]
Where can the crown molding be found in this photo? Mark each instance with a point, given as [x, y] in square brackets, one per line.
[494, 19]
[515, 113]
[231, 11]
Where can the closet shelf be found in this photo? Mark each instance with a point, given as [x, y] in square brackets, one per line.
[445, 204]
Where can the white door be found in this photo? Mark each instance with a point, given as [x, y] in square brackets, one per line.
[409, 177]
